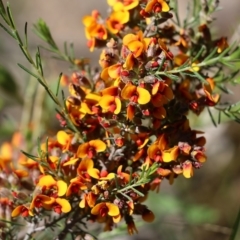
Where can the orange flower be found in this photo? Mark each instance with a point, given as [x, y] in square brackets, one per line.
[60, 205]
[103, 175]
[130, 225]
[160, 152]
[104, 209]
[199, 155]
[157, 6]
[135, 94]
[110, 101]
[64, 139]
[88, 200]
[140, 139]
[115, 22]
[84, 166]
[135, 43]
[222, 44]
[51, 187]
[5, 156]
[41, 200]
[147, 215]
[119, 5]
[75, 187]
[187, 169]
[22, 210]
[91, 148]
[162, 94]
[159, 113]
[94, 27]
[125, 177]
[212, 99]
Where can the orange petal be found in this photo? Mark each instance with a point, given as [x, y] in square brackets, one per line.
[95, 210]
[136, 47]
[148, 216]
[98, 144]
[130, 112]
[82, 150]
[114, 70]
[85, 164]
[128, 90]
[187, 169]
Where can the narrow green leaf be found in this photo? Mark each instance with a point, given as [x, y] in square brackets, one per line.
[65, 48]
[219, 117]
[137, 192]
[235, 227]
[212, 118]
[2, 8]
[210, 56]
[199, 53]
[9, 13]
[25, 31]
[28, 71]
[8, 31]
[72, 54]
[58, 85]
[199, 76]
[171, 76]
[11, 222]
[25, 54]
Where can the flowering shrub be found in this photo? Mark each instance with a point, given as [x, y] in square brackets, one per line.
[125, 127]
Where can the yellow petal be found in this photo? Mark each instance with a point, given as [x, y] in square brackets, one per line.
[62, 137]
[94, 172]
[170, 154]
[62, 188]
[98, 144]
[144, 96]
[66, 207]
[96, 208]
[46, 181]
[113, 209]
[187, 169]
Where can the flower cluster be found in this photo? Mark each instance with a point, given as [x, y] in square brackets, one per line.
[127, 126]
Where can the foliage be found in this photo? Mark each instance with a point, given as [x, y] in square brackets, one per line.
[125, 127]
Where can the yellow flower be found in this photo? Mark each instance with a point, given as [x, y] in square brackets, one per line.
[41, 200]
[94, 27]
[135, 43]
[157, 6]
[22, 210]
[106, 208]
[162, 94]
[91, 148]
[135, 94]
[52, 187]
[115, 22]
[110, 102]
[187, 169]
[119, 5]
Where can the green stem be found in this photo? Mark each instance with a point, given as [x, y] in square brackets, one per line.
[235, 227]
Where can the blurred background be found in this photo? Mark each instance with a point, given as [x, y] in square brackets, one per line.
[203, 207]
